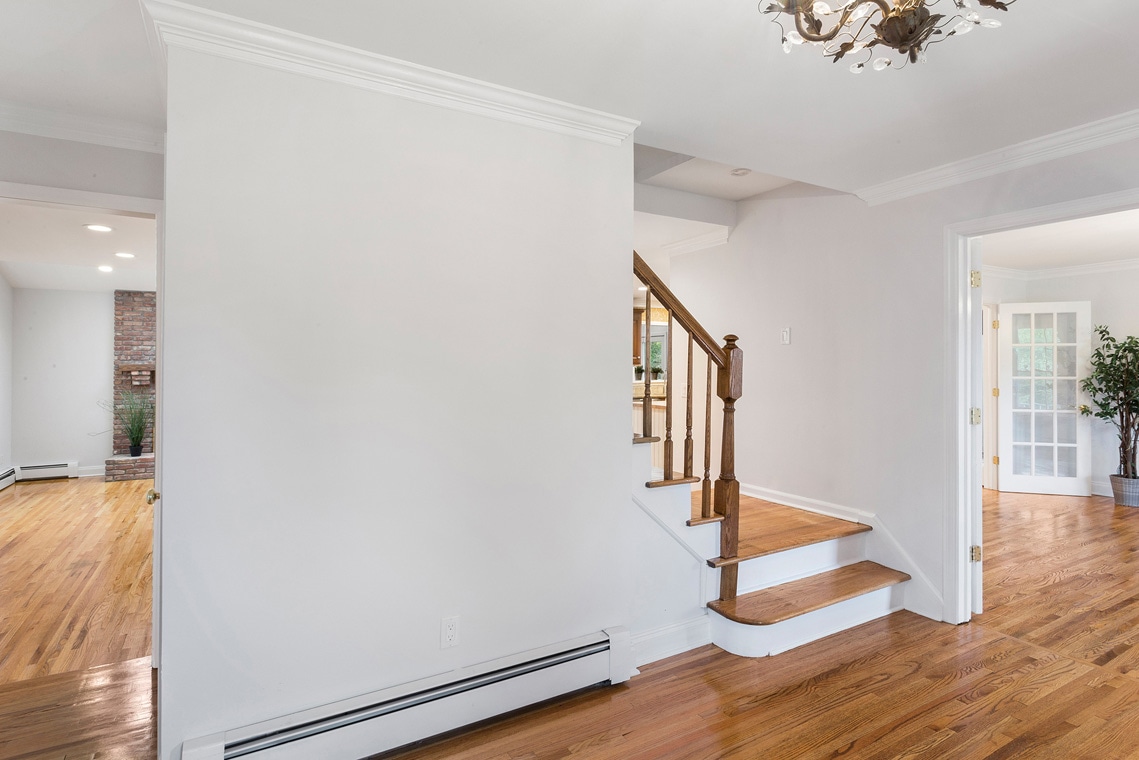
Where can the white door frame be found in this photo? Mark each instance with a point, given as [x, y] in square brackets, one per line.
[990, 379]
[963, 348]
[131, 205]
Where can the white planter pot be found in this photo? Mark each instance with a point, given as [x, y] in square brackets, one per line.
[1126, 491]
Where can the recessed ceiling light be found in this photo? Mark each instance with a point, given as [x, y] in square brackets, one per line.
[124, 255]
[740, 172]
[98, 227]
[106, 268]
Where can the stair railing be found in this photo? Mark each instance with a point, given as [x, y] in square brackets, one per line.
[724, 499]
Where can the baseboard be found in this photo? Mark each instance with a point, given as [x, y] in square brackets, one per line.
[8, 478]
[93, 471]
[1102, 488]
[922, 596]
[670, 640]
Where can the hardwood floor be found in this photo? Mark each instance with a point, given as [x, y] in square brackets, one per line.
[1047, 672]
[75, 575]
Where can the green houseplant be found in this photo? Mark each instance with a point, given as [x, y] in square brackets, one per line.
[1113, 387]
[135, 413]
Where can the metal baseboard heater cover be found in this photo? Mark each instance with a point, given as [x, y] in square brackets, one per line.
[7, 478]
[47, 471]
[402, 715]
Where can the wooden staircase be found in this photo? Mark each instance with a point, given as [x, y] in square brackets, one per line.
[786, 576]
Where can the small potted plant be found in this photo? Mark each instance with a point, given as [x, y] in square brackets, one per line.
[135, 413]
[639, 371]
[657, 371]
[1113, 387]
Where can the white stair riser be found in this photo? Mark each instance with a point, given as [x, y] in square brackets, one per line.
[765, 640]
[793, 564]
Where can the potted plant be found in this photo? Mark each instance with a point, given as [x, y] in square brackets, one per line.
[657, 372]
[639, 371]
[135, 412]
[1113, 387]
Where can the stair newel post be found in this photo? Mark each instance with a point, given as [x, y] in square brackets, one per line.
[688, 415]
[729, 387]
[668, 446]
[647, 399]
[706, 484]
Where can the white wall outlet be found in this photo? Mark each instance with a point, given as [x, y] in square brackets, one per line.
[449, 632]
[785, 336]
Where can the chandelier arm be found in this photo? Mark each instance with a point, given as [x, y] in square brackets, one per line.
[811, 36]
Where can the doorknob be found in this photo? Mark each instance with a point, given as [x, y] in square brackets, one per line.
[152, 496]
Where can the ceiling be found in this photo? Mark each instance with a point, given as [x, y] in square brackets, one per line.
[1093, 240]
[49, 247]
[706, 80]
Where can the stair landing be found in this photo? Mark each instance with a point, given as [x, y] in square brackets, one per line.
[767, 528]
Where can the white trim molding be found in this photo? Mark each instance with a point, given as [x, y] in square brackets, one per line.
[185, 26]
[127, 205]
[112, 133]
[1030, 275]
[669, 640]
[699, 242]
[1067, 142]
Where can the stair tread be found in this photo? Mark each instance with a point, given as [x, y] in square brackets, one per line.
[645, 439]
[676, 480]
[778, 603]
[767, 528]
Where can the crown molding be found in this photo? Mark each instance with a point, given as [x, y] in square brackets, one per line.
[1031, 275]
[113, 133]
[1068, 142]
[185, 26]
[698, 243]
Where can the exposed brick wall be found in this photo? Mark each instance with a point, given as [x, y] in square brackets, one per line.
[130, 468]
[136, 338]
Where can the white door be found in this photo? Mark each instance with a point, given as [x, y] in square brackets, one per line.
[1044, 442]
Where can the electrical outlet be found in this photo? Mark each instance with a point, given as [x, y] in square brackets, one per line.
[785, 336]
[449, 632]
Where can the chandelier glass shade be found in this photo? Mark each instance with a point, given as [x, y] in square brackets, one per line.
[855, 28]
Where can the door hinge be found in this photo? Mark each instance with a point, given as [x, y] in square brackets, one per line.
[996, 324]
[974, 416]
[974, 554]
[996, 460]
[975, 278]
[996, 391]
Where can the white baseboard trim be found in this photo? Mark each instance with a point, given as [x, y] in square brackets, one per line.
[922, 596]
[93, 471]
[1102, 488]
[669, 640]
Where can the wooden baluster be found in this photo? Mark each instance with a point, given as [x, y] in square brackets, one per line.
[668, 402]
[706, 485]
[647, 400]
[688, 415]
[729, 387]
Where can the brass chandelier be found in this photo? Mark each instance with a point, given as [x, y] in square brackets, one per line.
[856, 27]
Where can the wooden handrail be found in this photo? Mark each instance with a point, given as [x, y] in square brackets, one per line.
[666, 299]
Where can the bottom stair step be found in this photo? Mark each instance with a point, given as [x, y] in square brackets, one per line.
[779, 603]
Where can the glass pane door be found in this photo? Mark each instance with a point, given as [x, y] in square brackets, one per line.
[1044, 445]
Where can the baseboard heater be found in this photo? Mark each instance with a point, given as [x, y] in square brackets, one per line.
[7, 478]
[402, 715]
[47, 471]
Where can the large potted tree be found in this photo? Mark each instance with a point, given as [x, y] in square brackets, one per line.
[1113, 387]
[135, 413]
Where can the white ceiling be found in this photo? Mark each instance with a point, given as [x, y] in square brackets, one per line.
[1079, 242]
[49, 247]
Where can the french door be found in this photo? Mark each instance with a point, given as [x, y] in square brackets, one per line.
[1044, 442]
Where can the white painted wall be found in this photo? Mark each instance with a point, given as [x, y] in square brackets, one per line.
[46, 161]
[365, 301]
[6, 315]
[62, 368]
[854, 412]
[1114, 303]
